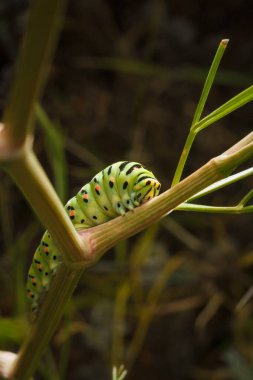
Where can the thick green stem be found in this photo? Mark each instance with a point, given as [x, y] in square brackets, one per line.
[28, 174]
[50, 314]
[35, 55]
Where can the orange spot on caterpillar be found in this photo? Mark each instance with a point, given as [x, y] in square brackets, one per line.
[46, 249]
[137, 187]
[72, 213]
[112, 179]
[97, 187]
[85, 196]
[40, 266]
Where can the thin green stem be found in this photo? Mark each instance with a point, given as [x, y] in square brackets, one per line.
[239, 209]
[120, 308]
[236, 102]
[202, 101]
[183, 158]
[65, 351]
[150, 303]
[209, 81]
[246, 199]
[224, 182]
[37, 49]
[118, 373]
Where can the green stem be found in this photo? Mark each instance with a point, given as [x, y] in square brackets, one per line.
[107, 235]
[50, 314]
[103, 237]
[215, 209]
[230, 106]
[37, 49]
[209, 81]
[224, 182]
[29, 176]
[246, 199]
[150, 306]
[199, 110]
[184, 155]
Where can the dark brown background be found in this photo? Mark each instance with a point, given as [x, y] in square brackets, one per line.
[113, 115]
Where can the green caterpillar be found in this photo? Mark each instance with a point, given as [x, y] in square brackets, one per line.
[115, 190]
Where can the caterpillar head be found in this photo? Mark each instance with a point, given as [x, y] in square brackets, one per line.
[145, 189]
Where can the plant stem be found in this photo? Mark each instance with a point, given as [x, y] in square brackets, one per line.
[172, 265]
[50, 314]
[202, 101]
[246, 199]
[38, 45]
[103, 237]
[107, 235]
[230, 106]
[183, 158]
[29, 176]
[224, 182]
[239, 209]
[209, 81]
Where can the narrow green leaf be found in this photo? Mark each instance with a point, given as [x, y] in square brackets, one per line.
[192, 134]
[236, 102]
[209, 81]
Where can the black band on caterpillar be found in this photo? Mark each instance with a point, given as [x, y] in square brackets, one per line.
[112, 192]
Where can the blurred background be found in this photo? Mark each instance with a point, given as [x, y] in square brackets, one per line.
[124, 85]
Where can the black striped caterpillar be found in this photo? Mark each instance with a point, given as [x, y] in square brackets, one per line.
[115, 190]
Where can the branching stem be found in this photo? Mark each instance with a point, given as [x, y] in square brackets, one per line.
[102, 237]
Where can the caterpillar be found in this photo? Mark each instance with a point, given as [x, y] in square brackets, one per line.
[115, 190]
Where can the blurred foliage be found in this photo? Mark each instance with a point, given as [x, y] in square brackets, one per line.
[12, 330]
[124, 85]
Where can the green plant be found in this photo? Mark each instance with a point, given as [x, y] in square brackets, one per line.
[19, 161]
